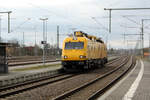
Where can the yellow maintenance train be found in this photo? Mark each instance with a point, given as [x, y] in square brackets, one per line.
[83, 51]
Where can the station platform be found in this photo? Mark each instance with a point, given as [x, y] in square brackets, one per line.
[134, 86]
[18, 76]
[33, 65]
[12, 73]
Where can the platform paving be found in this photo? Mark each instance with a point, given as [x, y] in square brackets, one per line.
[13, 74]
[143, 91]
[126, 89]
[32, 65]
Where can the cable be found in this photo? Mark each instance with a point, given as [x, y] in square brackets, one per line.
[100, 24]
[72, 22]
[19, 26]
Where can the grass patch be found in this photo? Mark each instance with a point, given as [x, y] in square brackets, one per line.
[36, 67]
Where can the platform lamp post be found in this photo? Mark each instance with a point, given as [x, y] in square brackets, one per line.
[44, 38]
[8, 12]
[35, 50]
[58, 40]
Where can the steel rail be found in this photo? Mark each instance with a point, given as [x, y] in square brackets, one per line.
[15, 88]
[34, 62]
[39, 79]
[75, 90]
[101, 91]
[47, 61]
[12, 90]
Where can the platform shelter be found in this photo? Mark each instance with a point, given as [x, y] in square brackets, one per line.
[3, 58]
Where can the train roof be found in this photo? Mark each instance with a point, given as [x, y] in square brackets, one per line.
[91, 37]
[72, 38]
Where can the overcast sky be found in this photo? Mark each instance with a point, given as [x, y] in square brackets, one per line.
[74, 14]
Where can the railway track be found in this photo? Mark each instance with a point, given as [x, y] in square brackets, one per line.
[19, 88]
[38, 62]
[17, 61]
[30, 62]
[23, 60]
[95, 86]
[12, 63]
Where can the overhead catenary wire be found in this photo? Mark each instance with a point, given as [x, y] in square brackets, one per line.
[64, 17]
[131, 20]
[58, 15]
[100, 24]
[20, 25]
[125, 16]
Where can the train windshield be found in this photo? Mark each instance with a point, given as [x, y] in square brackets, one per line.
[74, 45]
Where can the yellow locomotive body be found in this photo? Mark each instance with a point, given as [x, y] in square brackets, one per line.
[82, 51]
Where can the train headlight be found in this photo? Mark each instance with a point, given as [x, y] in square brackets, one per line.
[81, 56]
[65, 57]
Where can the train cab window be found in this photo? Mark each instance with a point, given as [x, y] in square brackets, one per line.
[74, 45]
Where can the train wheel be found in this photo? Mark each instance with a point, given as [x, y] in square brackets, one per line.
[87, 66]
[106, 60]
[102, 63]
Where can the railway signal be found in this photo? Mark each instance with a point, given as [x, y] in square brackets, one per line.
[43, 42]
